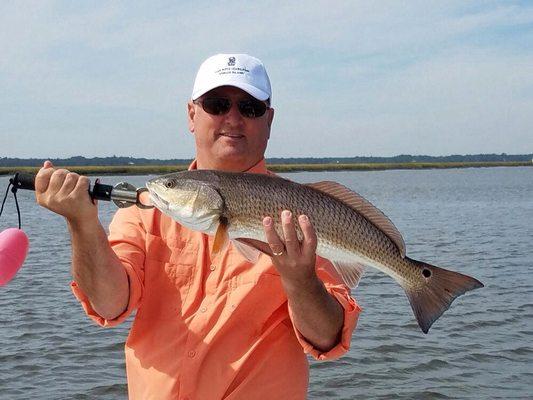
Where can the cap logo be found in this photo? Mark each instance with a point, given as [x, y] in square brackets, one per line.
[231, 61]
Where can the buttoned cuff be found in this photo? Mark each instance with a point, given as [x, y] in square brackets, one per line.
[135, 289]
[351, 315]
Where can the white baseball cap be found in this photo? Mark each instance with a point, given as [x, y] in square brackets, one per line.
[240, 70]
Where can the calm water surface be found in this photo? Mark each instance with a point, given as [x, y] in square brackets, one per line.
[476, 221]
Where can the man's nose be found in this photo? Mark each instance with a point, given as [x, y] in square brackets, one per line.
[234, 116]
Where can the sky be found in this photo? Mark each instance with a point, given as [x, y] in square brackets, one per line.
[349, 78]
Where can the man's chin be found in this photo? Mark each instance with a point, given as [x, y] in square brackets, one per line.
[231, 160]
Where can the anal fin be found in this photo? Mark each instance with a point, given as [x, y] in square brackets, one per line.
[350, 272]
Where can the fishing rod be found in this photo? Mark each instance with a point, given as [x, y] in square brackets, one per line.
[14, 242]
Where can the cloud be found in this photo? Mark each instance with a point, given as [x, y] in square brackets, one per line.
[463, 101]
[373, 78]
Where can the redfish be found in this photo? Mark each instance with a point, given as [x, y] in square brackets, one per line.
[351, 232]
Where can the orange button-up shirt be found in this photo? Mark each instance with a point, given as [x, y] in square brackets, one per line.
[209, 327]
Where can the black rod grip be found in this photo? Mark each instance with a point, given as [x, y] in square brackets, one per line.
[23, 180]
[101, 192]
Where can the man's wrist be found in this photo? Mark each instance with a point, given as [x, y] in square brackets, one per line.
[305, 284]
[84, 226]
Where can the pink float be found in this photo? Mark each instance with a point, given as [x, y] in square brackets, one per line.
[13, 250]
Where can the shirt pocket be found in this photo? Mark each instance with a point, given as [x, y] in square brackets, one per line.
[255, 299]
[169, 269]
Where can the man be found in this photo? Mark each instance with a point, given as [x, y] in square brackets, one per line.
[208, 326]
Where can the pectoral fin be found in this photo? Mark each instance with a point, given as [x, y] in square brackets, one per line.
[221, 238]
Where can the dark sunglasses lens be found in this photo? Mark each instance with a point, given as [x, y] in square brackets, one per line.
[252, 108]
[216, 106]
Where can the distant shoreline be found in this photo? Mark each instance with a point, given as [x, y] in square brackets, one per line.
[164, 169]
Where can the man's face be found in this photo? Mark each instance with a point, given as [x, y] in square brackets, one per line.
[228, 142]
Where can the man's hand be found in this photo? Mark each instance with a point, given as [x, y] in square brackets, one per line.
[294, 260]
[316, 314]
[65, 193]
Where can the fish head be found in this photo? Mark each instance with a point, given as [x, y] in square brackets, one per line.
[194, 203]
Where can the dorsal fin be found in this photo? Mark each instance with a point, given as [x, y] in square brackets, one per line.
[363, 207]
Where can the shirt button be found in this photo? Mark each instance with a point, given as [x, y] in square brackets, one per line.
[212, 267]
[191, 353]
[203, 309]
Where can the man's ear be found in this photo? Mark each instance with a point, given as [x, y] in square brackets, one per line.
[270, 119]
[190, 115]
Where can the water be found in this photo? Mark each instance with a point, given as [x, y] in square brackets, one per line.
[477, 221]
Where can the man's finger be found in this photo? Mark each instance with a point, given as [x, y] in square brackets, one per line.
[57, 179]
[81, 191]
[273, 240]
[309, 242]
[42, 179]
[292, 244]
[71, 179]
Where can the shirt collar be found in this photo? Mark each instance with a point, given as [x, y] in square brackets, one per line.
[259, 168]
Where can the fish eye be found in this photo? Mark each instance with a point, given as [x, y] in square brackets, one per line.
[170, 183]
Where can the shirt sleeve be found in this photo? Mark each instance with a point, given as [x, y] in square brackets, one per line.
[336, 288]
[127, 239]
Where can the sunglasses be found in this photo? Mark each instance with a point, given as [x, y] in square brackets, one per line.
[249, 108]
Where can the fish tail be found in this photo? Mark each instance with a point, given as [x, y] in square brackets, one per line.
[441, 287]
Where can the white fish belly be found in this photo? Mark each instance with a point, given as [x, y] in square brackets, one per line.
[325, 249]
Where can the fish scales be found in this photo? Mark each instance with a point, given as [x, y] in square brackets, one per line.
[251, 197]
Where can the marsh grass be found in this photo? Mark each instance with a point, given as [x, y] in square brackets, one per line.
[105, 169]
[386, 166]
[165, 169]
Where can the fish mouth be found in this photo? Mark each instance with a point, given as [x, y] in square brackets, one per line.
[156, 200]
